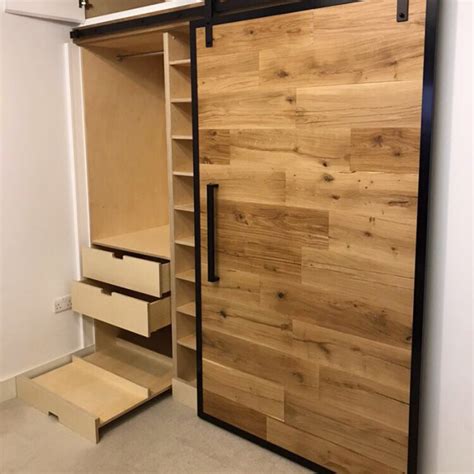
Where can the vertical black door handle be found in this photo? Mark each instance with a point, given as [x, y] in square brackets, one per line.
[211, 233]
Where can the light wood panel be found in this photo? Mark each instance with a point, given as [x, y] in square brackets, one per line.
[310, 124]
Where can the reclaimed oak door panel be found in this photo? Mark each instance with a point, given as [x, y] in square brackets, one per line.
[309, 123]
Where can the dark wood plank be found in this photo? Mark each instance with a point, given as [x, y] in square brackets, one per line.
[252, 392]
[321, 451]
[235, 414]
[387, 405]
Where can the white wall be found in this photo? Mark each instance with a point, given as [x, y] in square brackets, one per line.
[38, 239]
[447, 396]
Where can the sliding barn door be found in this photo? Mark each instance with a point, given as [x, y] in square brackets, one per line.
[309, 152]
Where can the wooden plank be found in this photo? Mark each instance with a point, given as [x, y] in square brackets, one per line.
[387, 405]
[336, 311]
[377, 16]
[214, 147]
[252, 322]
[238, 415]
[265, 186]
[294, 28]
[252, 392]
[390, 150]
[382, 363]
[351, 278]
[306, 151]
[360, 435]
[270, 237]
[384, 104]
[374, 194]
[257, 108]
[260, 361]
[387, 245]
[322, 452]
[232, 71]
[343, 56]
[234, 285]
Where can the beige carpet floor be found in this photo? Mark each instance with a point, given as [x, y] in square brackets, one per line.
[161, 437]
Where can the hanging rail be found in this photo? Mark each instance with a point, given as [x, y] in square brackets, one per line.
[121, 57]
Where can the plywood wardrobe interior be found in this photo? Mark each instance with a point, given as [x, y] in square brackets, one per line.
[138, 274]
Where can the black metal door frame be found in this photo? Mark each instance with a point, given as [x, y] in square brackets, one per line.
[216, 18]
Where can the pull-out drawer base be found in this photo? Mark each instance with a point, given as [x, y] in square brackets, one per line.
[88, 393]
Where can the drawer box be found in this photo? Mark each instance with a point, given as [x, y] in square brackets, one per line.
[145, 276]
[139, 314]
[88, 393]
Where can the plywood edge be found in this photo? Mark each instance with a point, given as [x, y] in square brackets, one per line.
[75, 418]
[124, 384]
[184, 393]
[165, 277]
[159, 314]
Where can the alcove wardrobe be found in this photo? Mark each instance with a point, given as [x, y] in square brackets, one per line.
[257, 188]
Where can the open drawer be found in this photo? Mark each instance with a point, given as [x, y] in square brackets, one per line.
[138, 313]
[145, 275]
[88, 393]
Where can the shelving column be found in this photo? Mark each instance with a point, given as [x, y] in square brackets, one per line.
[180, 158]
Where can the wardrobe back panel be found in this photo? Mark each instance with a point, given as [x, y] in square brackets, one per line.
[126, 147]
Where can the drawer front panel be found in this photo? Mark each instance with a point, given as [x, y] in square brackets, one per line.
[145, 276]
[117, 309]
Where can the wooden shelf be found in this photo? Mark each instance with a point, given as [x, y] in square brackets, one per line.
[189, 309]
[182, 137]
[181, 62]
[187, 241]
[154, 242]
[188, 341]
[136, 364]
[184, 207]
[182, 100]
[187, 276]
[183, 173]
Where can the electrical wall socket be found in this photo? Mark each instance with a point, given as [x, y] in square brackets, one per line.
[63, 303]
